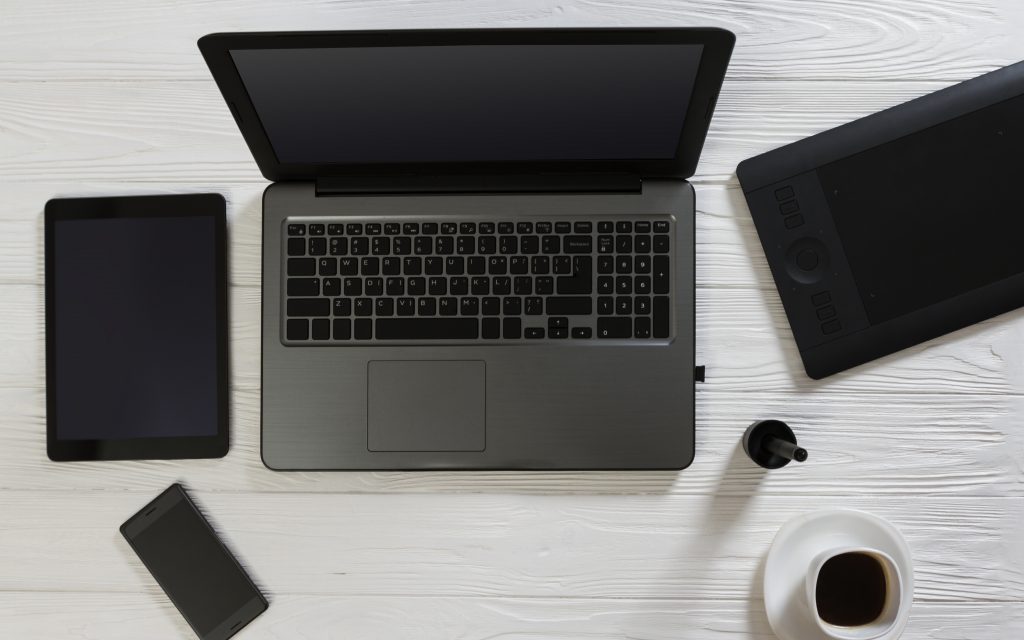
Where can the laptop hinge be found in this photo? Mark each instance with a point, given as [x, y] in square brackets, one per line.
[439, 184]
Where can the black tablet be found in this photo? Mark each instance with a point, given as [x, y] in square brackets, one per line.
[136, 328]
[899, 227]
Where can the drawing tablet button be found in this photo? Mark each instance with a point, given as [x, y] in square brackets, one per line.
[806, 260]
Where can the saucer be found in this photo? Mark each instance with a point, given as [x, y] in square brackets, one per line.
[804, 537]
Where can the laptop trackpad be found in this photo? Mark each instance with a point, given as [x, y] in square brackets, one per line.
[425, 405]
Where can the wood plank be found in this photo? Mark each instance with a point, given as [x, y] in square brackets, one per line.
[891, 445]
[112, 97]
[728, 251]
[615, 546]
[742, 336]
[160, 131]
[21, 222]
[148, 615]
[120, 39]
[23, 343]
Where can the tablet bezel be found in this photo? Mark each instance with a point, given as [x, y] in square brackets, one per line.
[176, 206]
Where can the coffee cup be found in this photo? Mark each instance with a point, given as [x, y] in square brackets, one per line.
[854, 593]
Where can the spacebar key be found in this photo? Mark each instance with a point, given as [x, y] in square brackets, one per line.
[427, 329]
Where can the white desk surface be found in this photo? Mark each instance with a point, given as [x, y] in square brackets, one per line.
[112, 97]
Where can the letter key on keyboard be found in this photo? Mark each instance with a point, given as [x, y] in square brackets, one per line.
[606, 280]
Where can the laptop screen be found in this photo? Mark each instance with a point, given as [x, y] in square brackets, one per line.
[471, 103]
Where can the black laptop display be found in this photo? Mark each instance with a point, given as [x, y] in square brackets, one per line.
[321, 104]
[471, 103]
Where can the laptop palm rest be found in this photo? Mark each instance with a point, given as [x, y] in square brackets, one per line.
[426, 405]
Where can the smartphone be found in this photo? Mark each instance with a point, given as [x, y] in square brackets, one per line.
[192, 566]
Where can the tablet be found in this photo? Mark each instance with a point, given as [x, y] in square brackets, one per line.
[136, 328]
[899, 227]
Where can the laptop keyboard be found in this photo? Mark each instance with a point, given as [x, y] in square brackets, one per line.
[372, 280]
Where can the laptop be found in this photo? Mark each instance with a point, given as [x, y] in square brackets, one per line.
[478, 245]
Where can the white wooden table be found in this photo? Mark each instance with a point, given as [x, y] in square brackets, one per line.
[112, 97]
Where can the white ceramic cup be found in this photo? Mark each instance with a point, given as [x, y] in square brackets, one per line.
[894, 597]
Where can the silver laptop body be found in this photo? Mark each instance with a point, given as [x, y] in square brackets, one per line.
[572, 404]
[478, 249]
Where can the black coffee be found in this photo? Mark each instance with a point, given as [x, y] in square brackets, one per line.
[851, 589]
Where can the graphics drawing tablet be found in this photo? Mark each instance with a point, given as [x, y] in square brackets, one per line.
[899, 227]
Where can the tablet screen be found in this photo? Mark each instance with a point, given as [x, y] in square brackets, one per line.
[933, 214]
[135, 327]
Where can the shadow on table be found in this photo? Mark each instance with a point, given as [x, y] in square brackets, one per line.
[705, 535]
[755, 252]
[736, 487]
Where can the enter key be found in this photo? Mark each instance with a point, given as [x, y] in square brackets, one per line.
[581, 282]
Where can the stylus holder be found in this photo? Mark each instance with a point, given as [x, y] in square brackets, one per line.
[772, 444]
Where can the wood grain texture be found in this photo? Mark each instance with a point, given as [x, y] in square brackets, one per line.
[738, 309]
[613, 546]
[112, 97]
[99, 616]
[161, 131]
[982, 359]
[827, 39]
[881, 445]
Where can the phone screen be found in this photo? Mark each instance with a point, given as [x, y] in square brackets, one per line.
[136, 321]
[193, 567]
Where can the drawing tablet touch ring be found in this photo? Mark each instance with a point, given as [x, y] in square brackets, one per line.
[806, 260]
